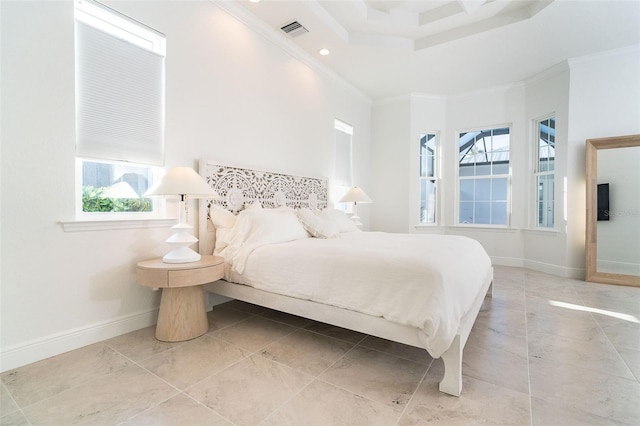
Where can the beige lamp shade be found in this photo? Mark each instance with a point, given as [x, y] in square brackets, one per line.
[181, 181]
[355, 195]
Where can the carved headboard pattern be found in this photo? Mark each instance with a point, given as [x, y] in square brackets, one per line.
[238, 186]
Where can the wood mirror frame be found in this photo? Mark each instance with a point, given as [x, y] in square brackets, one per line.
[591, 243]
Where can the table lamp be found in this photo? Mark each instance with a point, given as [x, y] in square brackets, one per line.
[182, 183]
[355, 195]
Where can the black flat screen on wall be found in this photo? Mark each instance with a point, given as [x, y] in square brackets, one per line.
[603, 201]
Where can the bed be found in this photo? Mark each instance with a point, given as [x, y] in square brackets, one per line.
[286, 250]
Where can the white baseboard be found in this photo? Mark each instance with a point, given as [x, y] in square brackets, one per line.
[548, 268]
[507, 261]
[38, 349]
[562, 271]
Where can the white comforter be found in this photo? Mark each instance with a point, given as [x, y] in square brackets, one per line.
[425, 281]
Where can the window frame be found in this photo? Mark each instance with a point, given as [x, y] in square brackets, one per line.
[338, 187]
[157, 204]
[436, 178]
[536, 173]
[508, 177]
[120, 27]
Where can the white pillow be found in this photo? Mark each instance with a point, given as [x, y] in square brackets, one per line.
[258, 227]
[341, 220]
[221, 217]
[317, 226]
[254, 205]
[223, 220]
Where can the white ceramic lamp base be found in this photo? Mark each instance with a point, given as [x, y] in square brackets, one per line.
[181, 240]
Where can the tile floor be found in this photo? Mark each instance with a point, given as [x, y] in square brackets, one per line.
[545, 350]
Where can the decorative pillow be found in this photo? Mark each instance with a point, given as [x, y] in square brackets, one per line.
[317, 226]
[339, 219]
[258, 227]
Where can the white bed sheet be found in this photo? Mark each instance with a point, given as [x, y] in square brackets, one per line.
[425, 281]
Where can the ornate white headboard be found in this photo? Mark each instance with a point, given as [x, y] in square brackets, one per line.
[237, 187]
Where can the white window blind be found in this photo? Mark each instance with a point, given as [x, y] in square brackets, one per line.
[119, 90]
[342, 171]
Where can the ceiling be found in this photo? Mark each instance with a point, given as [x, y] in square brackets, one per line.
[388, 48]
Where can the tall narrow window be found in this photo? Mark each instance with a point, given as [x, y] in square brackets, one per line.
[483, 177]
[544, 172]
[342, 180]
[428, 177]
[120, 76]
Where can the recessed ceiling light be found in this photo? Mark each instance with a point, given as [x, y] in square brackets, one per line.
[324, 52]
[254, 1]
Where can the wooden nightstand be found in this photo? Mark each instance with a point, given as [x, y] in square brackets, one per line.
[182, 313]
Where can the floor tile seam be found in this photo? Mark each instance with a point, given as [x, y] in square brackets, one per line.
[605, 420]
[380, 352]
[207, 377]
[284, 322]
[424, 376]
[526, 333]
[81, 383]
[24, 416]
[128, 358]
[291, 398]
[318, 377]
[18, 408]
[232, 324]
[360, 345]
[335, 338]
[208, 408]
[590, 371]
[210, 376]
[336, 362]
[326, 382]
[148, 408]
[330, 337]
[252, 352]
[507, 334]
[135, 364]
[620, 357]
[282, 364]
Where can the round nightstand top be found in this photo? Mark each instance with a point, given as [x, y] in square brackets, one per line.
[157, 263]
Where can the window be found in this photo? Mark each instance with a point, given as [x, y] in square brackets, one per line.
[483, 177]
[342, 180]
[428, 177]
[544, 171]
[120, 77]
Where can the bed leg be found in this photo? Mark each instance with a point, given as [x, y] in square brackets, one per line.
[490, 290]
[452, 381]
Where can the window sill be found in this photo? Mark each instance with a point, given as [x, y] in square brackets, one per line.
[429, 227]
[83, 225]
[485, 228]
[540, 231]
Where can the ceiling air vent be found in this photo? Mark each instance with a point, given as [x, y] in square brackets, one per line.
[294, 29]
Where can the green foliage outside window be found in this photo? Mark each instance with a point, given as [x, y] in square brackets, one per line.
[94, 201]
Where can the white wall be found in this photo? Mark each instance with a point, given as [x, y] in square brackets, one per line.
[604, 100]
[390, 163]
[232, 95]
[546, 249]
[594, 96]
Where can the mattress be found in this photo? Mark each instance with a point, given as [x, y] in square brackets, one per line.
[424, 281]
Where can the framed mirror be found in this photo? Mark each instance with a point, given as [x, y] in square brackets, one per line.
[613, 210]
